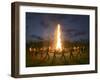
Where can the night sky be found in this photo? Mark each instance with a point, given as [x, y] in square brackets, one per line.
[41, 25]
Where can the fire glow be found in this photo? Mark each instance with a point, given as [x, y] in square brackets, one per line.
[58, 38]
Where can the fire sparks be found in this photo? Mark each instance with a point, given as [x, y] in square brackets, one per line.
[58, 39]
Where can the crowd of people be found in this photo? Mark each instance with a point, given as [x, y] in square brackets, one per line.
[76, 50]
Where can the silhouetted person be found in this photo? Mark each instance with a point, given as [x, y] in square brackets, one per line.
[71, 52]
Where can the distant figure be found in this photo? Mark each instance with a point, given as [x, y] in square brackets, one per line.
[54, 57]
[71, 52]
[31, 51]
[78, 51]
[83, 49]
[75, 50]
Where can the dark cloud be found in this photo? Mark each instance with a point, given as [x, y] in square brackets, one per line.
[71, 33]
[36, 37]
[80, 33]
[70, 30]
[44, 24]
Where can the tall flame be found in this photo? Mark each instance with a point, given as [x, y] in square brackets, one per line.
[58, 43]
